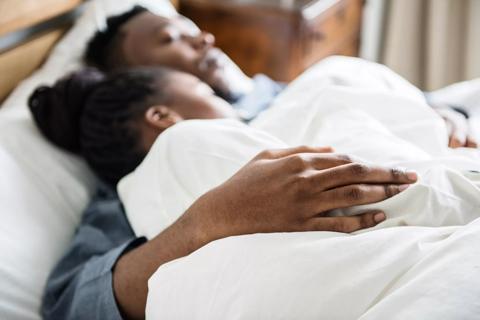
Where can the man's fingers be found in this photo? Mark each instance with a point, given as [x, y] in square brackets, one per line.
[355, 173]
[357, 194]
[346, 224]
[322, 162]
[282, 153]
[471, 143]
[457, 126]
[458, 134]
[314, 161]
[457, 140]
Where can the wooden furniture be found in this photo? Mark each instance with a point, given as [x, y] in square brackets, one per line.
[19, 63]
[280, 38]
[26, 13]
[20, 18]
[38, 27]
[175, 3]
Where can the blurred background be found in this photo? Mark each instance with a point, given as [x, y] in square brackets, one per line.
[432, 43]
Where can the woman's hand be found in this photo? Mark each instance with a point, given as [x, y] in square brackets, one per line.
[458, 129]
[293, 190]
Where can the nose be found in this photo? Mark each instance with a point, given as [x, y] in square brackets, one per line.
[202, 40]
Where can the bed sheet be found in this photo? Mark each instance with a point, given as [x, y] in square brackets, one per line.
[396, 273]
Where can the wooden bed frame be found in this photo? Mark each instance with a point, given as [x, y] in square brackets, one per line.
[17, 21]
[28, 31]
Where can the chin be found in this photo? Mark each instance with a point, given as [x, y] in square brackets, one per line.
[218, 81]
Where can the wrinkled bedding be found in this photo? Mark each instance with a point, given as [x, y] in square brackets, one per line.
[422, 262]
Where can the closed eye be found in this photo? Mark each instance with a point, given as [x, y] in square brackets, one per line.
[166, 36]
[165, 39]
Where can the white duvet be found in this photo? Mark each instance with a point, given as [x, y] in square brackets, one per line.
[429, 269]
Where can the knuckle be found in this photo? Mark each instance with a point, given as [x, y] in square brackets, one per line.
[301, 185]
[332, 175]
[359, 169]
[367, 221]
[354, 193]
[339, 226]
[265, 154]
[297, 163]
[397, 174]
[391, 190]
[345, 158]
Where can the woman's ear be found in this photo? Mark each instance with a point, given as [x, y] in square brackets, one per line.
[161, 117]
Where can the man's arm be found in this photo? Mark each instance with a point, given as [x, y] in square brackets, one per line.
[278, 191]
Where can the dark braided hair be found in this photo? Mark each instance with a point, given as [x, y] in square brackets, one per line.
[94, 115]
[103, 50]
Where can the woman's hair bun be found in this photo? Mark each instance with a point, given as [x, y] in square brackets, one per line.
[57, 110]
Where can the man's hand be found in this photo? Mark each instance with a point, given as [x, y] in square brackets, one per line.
[458, 129]
[278, 191]
[293, 190]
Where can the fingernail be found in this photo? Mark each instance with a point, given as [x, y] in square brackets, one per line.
[411, 175]
[403, 187]
[379, 217]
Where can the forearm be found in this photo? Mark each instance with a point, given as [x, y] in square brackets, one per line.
[132, 271]
[278, 191]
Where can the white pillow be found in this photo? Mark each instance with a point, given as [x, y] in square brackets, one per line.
[43, 190]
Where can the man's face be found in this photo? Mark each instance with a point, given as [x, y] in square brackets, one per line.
[151, 40]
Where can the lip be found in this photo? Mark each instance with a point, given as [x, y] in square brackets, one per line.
[211, 60]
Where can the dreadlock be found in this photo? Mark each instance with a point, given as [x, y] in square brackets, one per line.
[103, 50]
[94, 116]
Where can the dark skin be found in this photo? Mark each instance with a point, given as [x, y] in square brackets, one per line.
[278, 191]
[151, 40]
[458, 129]
[289, 190]
[188, 98]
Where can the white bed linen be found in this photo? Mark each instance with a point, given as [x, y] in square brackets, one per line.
[384, 122]
[43, 190]
[358, 108]
[394, 273]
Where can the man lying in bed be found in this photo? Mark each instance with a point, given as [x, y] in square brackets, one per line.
[89, 283]
[141, 38]
[105, 272]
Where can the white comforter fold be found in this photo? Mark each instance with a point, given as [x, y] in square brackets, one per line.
[394, 273]
[358, 108]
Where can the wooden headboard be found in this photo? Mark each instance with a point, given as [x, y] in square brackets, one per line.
[28, 31]
[21, 14]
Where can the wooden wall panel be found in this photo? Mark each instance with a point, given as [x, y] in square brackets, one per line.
[279, 39]
[175, 3]
[20, 62]
[19, 14]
